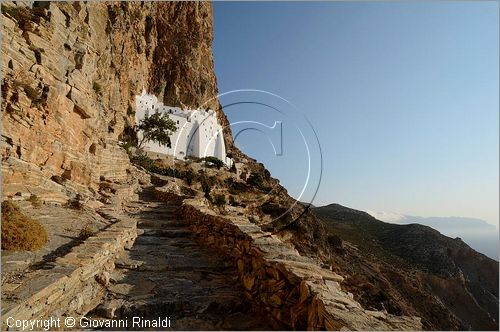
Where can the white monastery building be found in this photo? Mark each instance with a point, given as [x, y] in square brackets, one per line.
[198, 132]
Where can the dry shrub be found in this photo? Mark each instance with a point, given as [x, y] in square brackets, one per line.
[20, 232]
[75, 202]
[35, 201]
[219, 200]
[86, 232]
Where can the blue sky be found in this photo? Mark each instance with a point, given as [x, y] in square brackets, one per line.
[403, 98]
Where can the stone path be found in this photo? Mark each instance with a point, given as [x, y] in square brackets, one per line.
[167, 273]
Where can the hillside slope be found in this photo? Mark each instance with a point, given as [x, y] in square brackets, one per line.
[415, 269]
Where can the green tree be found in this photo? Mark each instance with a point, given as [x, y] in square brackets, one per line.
[156, 127]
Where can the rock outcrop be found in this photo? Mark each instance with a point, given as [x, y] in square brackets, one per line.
[71, 72]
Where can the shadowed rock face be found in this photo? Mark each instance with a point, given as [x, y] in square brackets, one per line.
[71, 71]
[182, 67]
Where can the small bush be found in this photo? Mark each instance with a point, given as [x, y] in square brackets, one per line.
[236, 187]
[172, 172]
[17, 13]
[149, 164]
[127, 145]
[128, 137]
[256, 180]
[130, 111]
[212, 180]
[186, 191]
[189, 176]
[35, 201]
[213, 161]
[253, 219]
[228, 181]
[86, 232]
[20, 232]
[143, 161]
[232, 201]
[157, 90]
[280, 223]
[382, 296]
[219, 200]
[193, 159]
[207, 183]
[97, 87]
[75, 202]
[334, 241]
[206, 186]
[32, 93]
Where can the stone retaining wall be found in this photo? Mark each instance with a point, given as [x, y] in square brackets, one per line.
[75, 283]
[293, 289]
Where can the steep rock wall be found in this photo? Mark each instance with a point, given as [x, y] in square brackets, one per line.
[71, 71]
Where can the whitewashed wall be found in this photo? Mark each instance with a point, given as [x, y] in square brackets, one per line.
[198, 132]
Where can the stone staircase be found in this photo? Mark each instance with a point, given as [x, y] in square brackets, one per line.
[167, 273]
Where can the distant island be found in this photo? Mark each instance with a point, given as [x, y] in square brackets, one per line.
[477, 233]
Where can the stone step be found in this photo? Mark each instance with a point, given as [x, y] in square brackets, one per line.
[157, 224]
[159, 217]
[155, 205]
[168, 212]
[151, 208]
[162, 215]
[165, 239]
[159, 209]
[168, 273]
[179, 232]
[128, 263]
[152, 247]
[177, 266]
[171, 232]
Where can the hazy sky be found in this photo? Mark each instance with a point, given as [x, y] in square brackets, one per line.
[403, 98]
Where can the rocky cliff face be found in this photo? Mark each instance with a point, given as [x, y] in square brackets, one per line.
[71, 72]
